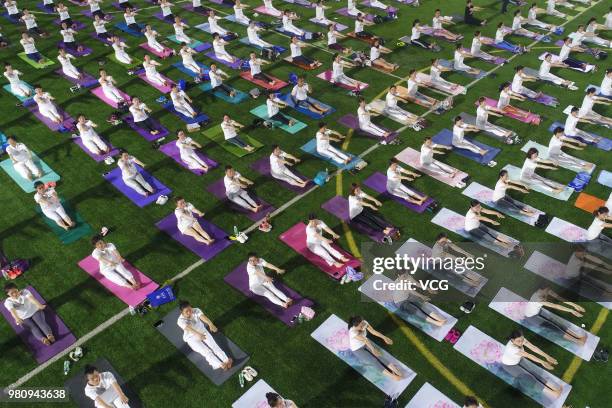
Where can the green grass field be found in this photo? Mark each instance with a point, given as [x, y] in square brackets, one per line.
[288, 359]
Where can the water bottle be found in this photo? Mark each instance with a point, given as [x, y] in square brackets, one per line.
[236, 232]
[66, 367]
[132, 310]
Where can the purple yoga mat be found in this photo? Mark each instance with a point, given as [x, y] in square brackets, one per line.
[114, 177]
[85, 51]
[235, 65]
[162, 89]
[170, 149]
[164, 54]
[63, 336]
[389, 9]
[88, 13]
[344, 12]
[97, 157]
[129, 120]
[104, 40]
[339, 207]
[206, 252]
[222, 3]
[86, 81]
[77, 25]
[350, 121]
[239, 280]
[218, 190]
[378, 183]
[100, 94]
[262, 166]
[45, 9]
[68, 122]
[204, 11]
[159, 16]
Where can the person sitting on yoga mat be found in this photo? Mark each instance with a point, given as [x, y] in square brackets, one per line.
[438, 23]
[414, 95]
[21, 159]
[296, 54]
[564, 55]
[555, 152]
[586, 109]
[120, 51]
[68, 68]
[392, 109]
[339, 77]
[414, 303]
[602, 221]
[111, 264]
[517, 26]
[255, 69]
[482, 121]
[179, 31]
[28, 313]
[571, 129]
[215, 28]
[152, 42]
[51, 206]
[150, 67]
[219, 49]
[545, 74]
[504, 201]
[517, 83]
[68, 40]
[377, 60]
[100, 28]
[97, 386]
[506, 94]
[469, 401]
[89, 137]
[235, 190]
[396, 174]
[131, 176]
[605, 89]
[187, 221]
[426, 158]
[109, 89]
[366, 125]
[187, 152]
[182, 102]
[187, 54]
[323, 146]
[545, 298]
[360, 32]
[197, 6]
[473, 226]
[299, 95]
[166, 10]
[279, 163]
[230, 133]
[130, 19]
[458, 61]
[17, 86]
[476, 49]
[288, 26]
[501, 32]
[46, 107]
[586, 270]
[590, 34]
[531, 164]
[254, 38]
[551, 11]
[29, 47]
[124, 4]
[29, 20]
[518, 362]
[273, 107]
[276, 401]
[351, 8]
[469, 15]
[320, 245]
[532, 18]
[332, 40]
[140, 115]
[64, 14]
[239, 12]
[216, 81]
[94, 8]
[365, 351]
[415, 36]
[320, 18]
[444, 249]
[271, 9]
[263, 285]
[12, 10]
[458, 141]
[363, 210]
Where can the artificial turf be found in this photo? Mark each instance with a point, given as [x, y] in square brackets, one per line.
[287, 358]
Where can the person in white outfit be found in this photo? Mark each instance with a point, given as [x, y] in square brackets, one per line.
[273, 109]
[152, 42]
[426, 158]
[320, 18]
[216, 76]
[288, 26]
[365, 123]
[28, 313]
[393, 110]
[166, 10]
[131, 176]
[239, 12]
[130, 19]
[263, 285]
[29, 47]
[586, 109]
[112, 264]
[571, 127]
[279, 163]
[517, 83]
[545, 74]
[197, 329]
[182, 102]
[253, 37]
[351, 8]
[504, 201]
[323, 146]
[18, 87]
[187, 151]
[557, 142]
[320, 245]
[46, 107]
[109, 89]
[529, 175]
[219, 49]
[120, 51]
[187, 221]
[140, 115]
[150, 67]
[474, 225]
[100, 27]
[605, 89]
[595, 233]
[101, 384]
[215, 28]
[179, 31]
[187, 54]
[22, 160]
[396, 174]
[235, 190]
[51, 205]
[256, 72]
[271, 9]
[230, 133]
[68, 69]
[458, 140]
[90, 138]
[339, 77]
[482, 121]
[300, 96]
[459, 61]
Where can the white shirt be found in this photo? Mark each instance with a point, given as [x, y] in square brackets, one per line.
[499, 35]
[106, 256]
[11, 7]
[587, 105]
[528, 168]
[184, 217]
[30, 21]
[252, 271]
[68, 35]
[13, 77]
[416, 34]
[511, 354]
[106, 381]
[252, 34]
[516, 22]
[28, 46]
[255, 66]
[138, 112]
[476, 44]
[94, 5]
[322, 141]
[313, 233]
[185, 149]
[296, 50]
[166, 10]
[358, 26]
[482, 114]
[300, 92]
[390, 100]
[393, 178]
[458, 57]
[565, 52]
[517, 83]
[272, 107]
[554, 146]
[337, 69]
[331, 38]
[319, 12]
[277, 165]
[229, 131]
[544, 68]
[239, 13]
[19, 153]
[129, 18]
[215, 77]
[363, 116]
[374, 53]
[534, 305]
[426, 154]
[354, 343]
[413, 87]
[471, 220]
[179, 98]
[500, 190]
[437, 23]
[571, 124]
[606, 86]
[100, 26]
[64, 14]
[232, 185]
[86, 130]
[595, 229]
[609, 20]
[195, 323]
[128, 167]
[47, 200]
[504, 99]
[458, 134]
[355, 205]
[23, 306]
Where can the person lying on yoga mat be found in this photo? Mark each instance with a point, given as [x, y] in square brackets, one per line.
[482, 121]
[90, 138]
[528, 174]
[29, 20]
[216, 76]
[279, 163]
[21, 159]
[230, 133]
[299, 95]
[95, 9]
[365, 351]
[255, 69]
[179, 31]
[469, 14]
[130, 19]
[100, 28]
[602, 221]
[112, 264]
[271, 9]
[263, 285]
[29, 47]
[506, 94]
[46, 107]
[545, 298]
[187, 54]
[332, 40]
[338, 75]
[18, 87]
[98, 383]
[426, 158]
[532, 18]
[419, 98]
[555, 152]
[360, 32]
[187, 152]
[219, 49]
[166, 10]
[187, 221]
[444, 249]
[439, 21]
[64, 14]
[109, 89]
[323, 146]
[12, 10]
[215, 28]
[501, 33]
[182, 102]
[471, 402]
[363, 210]
[544, 73]
[587, 270]
[586, 109]
[413, 302]
[152, 42]
[68, 68]
[377, 60]
[120, 51]
[571, 129]
[296, 54]
[239, 12]
[365, 123]
[415, 36]
[503, 200]
[28, 313]
[273, 106]
[131, 176]
[518, 360]
[517, 83]
[235, 190]
[459, 142]
[396, 174]
[51, 205]
[150, 67]
[458, 61]
[473, 225]
[68, 39]
[197, 329]
[140, 114]
[564, 54]
[287, 23]
[320, 245]
[276, 401]
[253, 36]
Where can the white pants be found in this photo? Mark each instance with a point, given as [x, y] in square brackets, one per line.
[118, 404]
[49, 110]
[372, 129]
[209, 350]
[403, 192]
[57, 214]
[270, 292]
[334, 154]
[183, 38]
[184, 109]
[224, 55]
[399, 114]
[287, 176]
[20, 89]
[438, 168]
[353, 11]
[343, 79]
[112, 93]
[290, 28]
[597, 41]
[123, 57]
[556, 13]
[119, 275]
[94, 144]
[538, 23]
[552, 78]
[260, 43]
[27, 168]
[243, 20]
[565, 160]
[491, 128]
[192, 66]
[243, 199]
[583, 135]
[325, 251]
[193, 161]
[378, 4]
[139, 184]
[156, 45]
[542, 182]
[70, 71]
[156, 78]
[466, 145]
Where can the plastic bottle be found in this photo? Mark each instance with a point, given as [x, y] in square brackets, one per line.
[66, 367]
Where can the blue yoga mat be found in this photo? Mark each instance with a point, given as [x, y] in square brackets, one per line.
[604, 143]
[287, 99]
[181, 67]
[7, 88]
[445, 137]
[25, 184]
[277, 48]
[238, 97]
[311, 148]
[123, 27]
[605, 178]
[201, 117]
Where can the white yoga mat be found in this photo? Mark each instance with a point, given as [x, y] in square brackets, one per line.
[411, 158]
[255, 397]
[429, 397]
[515, 173]
[543, 154]
[566, 230]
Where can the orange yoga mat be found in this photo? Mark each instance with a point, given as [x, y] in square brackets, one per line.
[588, 202]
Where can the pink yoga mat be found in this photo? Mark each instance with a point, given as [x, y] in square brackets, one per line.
[530, 118]
[295, 238]
[160, 88]
[327, 76]
[170, 150]
[412, 158]
[100, 94]
[164, 54]
[264, 10]
[277, 85]
[128, 296]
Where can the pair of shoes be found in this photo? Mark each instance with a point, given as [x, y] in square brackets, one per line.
[249, 373]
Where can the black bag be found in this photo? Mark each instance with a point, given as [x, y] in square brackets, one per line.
[269, 54]
[390, 402]
[378, 19]
[542, 221]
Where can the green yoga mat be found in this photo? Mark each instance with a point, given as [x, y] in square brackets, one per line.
[7, 88]
[135, 61]
[25, 184]
[35, 64]
[216, 135]
[67, 237]
[239, 96]
[262, 112]
[194, 44]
